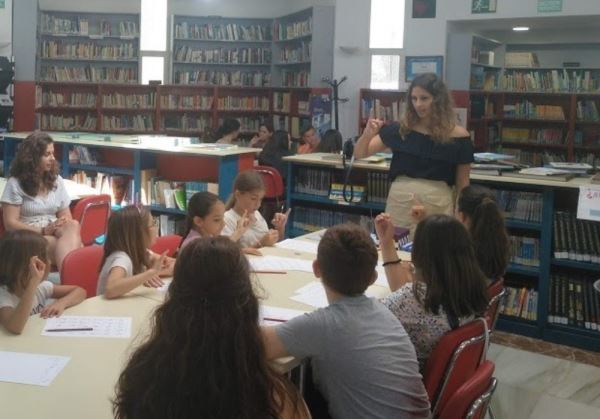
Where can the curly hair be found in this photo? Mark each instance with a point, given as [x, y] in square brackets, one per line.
[25, 166]
[205, 356]
[443, 118]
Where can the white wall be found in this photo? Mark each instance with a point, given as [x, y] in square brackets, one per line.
[6, 29]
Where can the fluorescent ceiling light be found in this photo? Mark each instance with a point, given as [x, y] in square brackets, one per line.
[521, 28]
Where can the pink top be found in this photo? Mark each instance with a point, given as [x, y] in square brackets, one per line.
[192, 235]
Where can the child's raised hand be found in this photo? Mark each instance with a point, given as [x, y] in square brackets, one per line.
[373, 126]
[37, 271]
[159, 261]
[243, 223]
[280, 219]
[53, 310]
[384, 228]
[270, 238]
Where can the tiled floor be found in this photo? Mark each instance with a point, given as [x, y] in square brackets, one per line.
[547, 383]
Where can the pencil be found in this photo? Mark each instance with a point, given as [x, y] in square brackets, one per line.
[270, 272]
[77, 329]
[274, 320]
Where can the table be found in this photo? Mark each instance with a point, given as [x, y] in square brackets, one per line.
[85, 386]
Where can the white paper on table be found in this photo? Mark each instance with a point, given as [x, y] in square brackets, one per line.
[103, 326]
[165, 287]
[277, 315]
[588, 207]
[381, 277]
[277, 263]
[313, 294]
[299, 245]
[34, 369]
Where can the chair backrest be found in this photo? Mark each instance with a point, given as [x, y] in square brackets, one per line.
[495, 292]
[2, 229]
[92, 213]
[271, 177]
[453, 360]
[81, 267]
[471, 400]
[170, 243]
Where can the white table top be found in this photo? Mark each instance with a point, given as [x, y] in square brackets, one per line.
[84, 387]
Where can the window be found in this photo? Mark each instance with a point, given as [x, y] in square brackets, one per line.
[386, 40]
[154, 25]
[153, 68]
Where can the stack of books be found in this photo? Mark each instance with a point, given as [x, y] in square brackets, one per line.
[493, 164]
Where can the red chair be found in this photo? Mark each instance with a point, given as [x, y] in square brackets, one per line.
[92, 213]
[170, 243]
[472, 399]
[454, 360]
[273, 181]
[495, 293]
[81, 267]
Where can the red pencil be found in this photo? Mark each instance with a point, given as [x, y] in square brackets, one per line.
[274, 320]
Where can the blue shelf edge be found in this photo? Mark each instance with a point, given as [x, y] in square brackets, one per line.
[523, 327]
[523, 225]
[324, 200]
[159, 208]
[523, 270]
[575, 264]
[104, 169]
[572, 336]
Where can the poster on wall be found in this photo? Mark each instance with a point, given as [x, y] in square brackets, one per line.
[483, 6]
[423, 9]
[548, 6]
[588, 207]
[420, 65]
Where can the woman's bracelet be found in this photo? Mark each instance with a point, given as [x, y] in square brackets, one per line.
[392, 262]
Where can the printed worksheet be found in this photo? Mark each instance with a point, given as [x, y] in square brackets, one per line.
[34, 369]
[277, 263]
[88, 326]
[299, 245]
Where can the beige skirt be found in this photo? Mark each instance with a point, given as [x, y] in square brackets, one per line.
[405, 192]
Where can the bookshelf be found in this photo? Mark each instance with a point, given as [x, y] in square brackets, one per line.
[172, 109]
[87, 47]
[537, 127]
[388, 105]
[7, 73]
[529, 207]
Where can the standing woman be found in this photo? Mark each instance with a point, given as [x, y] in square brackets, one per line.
[431, 154]
[35, 197]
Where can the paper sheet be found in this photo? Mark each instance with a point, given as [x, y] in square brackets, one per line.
[277, 263]
[103, 327]
[277, 315]
[34, 369]
[381, 277]
[299, 245]
[313, 294]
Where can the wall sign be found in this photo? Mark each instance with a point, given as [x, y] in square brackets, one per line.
[420, 65]
[548, 6]
[423, 9]
[483, 6]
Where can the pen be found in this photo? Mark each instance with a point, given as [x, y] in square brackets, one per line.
[270, 272]
[274, 320]
[77, 329]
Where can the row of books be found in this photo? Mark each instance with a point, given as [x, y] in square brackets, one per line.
[312, 219]
[246, 103]
[119, 187]
[588, 137]
[576, 239]
[296, 54]
[373, 108]
[90, 74]
[170, 224]
[185, 122]
[312, 181]
[188, 54]
[521, 206]
[289, 124]
[284, 31]
[67, 122]
[524, 250]
[129, 100]
[483, 78]
[482, 106]
[170, 194]
[88, 50]
[378, 186]
[295, 78]
[551, 80]
[128, 122]
[80, 26]
[587, 110]
[57, 99]
[195, 102]
[223, 78]
[593, 159]
[222, 32]
[519, 302]
[530, 110]
[533, 135]
[281, 101]
[534, 158]
[574, 302]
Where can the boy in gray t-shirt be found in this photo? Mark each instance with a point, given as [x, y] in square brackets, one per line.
[363, 361]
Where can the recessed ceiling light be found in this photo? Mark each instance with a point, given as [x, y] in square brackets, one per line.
[521, 28]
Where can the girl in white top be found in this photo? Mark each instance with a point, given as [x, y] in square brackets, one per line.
[24, 290]
[248, 192]
[127, 262]
[35, 197]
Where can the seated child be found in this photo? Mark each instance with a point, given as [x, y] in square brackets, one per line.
[127, 261]
[24, 290]
[204, 357]
[248, 192]
[363, 361]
